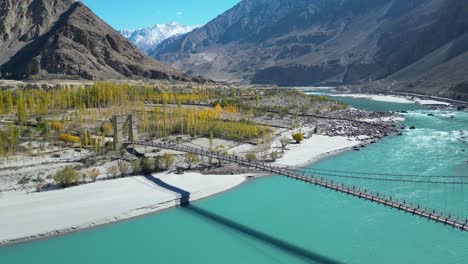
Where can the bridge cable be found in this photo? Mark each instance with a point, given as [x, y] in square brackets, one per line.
[388, 179]
[387, 174]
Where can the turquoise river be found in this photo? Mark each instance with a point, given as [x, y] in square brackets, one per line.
[277, 220]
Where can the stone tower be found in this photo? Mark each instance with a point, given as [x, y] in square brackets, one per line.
[118, 123]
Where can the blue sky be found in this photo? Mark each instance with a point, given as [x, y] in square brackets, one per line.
[132, 14]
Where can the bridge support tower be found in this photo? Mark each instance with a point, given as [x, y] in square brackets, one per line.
[121, 123]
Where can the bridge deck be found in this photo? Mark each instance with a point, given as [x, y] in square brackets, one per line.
[299, 175]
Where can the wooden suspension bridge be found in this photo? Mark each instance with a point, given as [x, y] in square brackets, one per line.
[308, 177]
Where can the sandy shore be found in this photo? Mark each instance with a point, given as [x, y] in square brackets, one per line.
[394, 99]
[380, 97]
[315, 148]
[36, 215]
[30, 216]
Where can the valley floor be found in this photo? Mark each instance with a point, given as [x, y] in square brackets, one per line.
[26, 216]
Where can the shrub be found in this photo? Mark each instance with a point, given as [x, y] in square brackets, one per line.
[284, 143]
[67, 177]
[112, 171]
[298, 137]
[94, 174]
[24, 180]
[251, 156]
[57, 126]
[136, 167]
[191, 159]
[89, 161]
[274, 155]
[147, 165]
[67, 138]
[123, 168]
[107, 129]
[157, 163]
[38, 179]
[84, 176]
[168, 160]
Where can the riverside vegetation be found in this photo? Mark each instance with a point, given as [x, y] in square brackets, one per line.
[67, 129]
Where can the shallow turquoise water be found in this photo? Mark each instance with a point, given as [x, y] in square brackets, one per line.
[363, 104]
[277, 220]
[437, 147]
[376, 105]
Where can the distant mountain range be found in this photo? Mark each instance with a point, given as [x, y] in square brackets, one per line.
[410, 45]
[149, 38]
[64, 39]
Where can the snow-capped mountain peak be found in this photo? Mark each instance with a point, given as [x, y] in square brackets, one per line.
[148, 38]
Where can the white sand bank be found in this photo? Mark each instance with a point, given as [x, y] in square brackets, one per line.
[315, 148]
[432, 102]
[384, 119]
[394, 99]
[381, 98]
[28, 216]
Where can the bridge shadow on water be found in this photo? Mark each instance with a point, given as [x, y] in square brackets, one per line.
[286, 247]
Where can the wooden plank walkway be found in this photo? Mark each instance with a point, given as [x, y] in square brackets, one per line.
[416, 210]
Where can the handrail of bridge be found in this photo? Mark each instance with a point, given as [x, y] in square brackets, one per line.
[389, 201]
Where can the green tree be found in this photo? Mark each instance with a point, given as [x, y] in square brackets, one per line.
[2, 104]
[211, 140]
[13, 135]
[168, 160]
[221, 150]
[284, 143]
[8, 102]
[67, 177]
[136, 169]
[233, 92]
[257, 99]
[274, 155]
[210, 159]
[191, 159]
[21, 111]
[165, 99]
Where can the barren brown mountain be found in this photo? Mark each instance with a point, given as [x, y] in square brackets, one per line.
[410, 45]
[64, 39]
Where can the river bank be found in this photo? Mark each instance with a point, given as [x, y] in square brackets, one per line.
[397, 99]
[275, 220]
[390, 97]
[31, 216]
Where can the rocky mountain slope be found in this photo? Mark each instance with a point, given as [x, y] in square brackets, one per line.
[415, 45]
[64, 39]
[148, 38]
